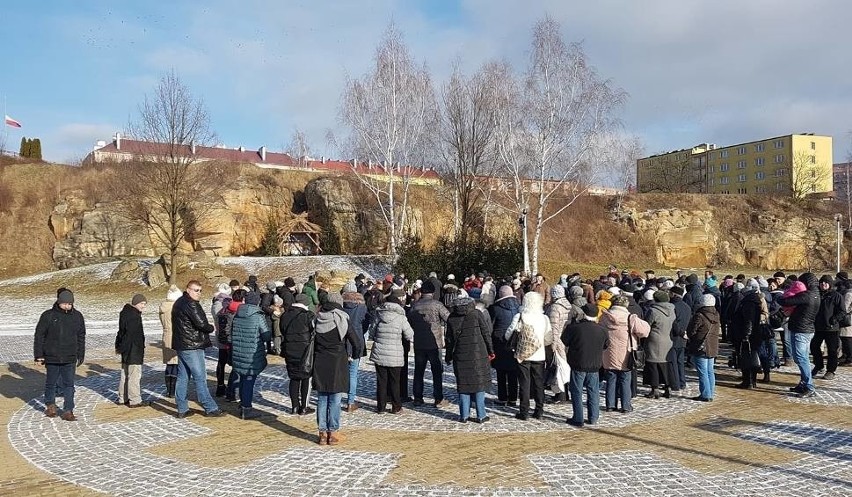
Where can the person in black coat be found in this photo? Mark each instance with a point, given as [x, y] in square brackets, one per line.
[801, 326]
[469, 349]
[296, 326]
[59, 344]
[677, 357]
[130, 344]
[746, 333]
[585, 342]
[502, 312]
[827, 327]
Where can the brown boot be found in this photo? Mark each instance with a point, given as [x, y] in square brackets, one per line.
[68, 416]
[50, 411]
[334, 438]
[323, 438]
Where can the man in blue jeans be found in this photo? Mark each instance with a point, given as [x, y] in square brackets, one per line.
[801, 326]
[59, 344]
[190, 336]
[585, 342]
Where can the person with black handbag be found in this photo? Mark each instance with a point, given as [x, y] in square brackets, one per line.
[746, 330]
[702, 334]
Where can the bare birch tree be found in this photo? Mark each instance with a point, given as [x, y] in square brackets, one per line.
[298, 148]
[466, 133]
[548, 127]
[389, 112]
[808, 176]
[167, 191]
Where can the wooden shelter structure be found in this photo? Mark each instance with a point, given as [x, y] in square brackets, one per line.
[298, 236]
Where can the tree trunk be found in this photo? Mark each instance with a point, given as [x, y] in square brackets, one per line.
[172, 271]
[391, 218]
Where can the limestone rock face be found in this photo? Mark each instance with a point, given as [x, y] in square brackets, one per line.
[710, 237]
[90, 233]
[350, 226]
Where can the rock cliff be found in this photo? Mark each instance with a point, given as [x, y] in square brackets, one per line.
[674, 231]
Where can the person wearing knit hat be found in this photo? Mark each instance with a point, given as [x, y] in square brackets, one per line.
[661, 316]
[170, 358]
[614, 290]
[557, 292]
[234, 285]
[130, 345]
[350, 287]
[428, 319]
[746, 325]
[223, 288]
[220, 299]
[661, 296]
[827, 327]
[270, 285]
[648, 296]
[752, 284]
[59, 344]
[505, 292]
[703, 346]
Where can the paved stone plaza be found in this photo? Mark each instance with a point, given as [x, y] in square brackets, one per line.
[665, 447]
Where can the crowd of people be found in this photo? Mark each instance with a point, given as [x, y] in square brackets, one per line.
[623, 328]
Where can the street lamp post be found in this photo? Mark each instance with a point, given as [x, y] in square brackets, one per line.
[837, 219]
[523, 222]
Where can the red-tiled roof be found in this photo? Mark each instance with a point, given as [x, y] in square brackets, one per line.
[143, 148]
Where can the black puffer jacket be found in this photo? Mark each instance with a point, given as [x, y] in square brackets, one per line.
[502, 313]
[830, 312]
[60, 336]
[746, 318]
[296, 325]
[468, 347]
[130, 340]
[190, 328]
[806, 303]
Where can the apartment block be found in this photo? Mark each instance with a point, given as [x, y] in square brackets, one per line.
[796, 164]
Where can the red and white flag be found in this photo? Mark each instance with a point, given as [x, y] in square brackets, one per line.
[13, 123]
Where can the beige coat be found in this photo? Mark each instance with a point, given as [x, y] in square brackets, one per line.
[169, 354]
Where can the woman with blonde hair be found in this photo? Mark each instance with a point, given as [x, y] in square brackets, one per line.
[170, 358]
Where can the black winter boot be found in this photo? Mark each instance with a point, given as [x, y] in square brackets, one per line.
[171, 381]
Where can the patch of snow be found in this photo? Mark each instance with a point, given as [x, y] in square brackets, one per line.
[302, 266]
[95, 272]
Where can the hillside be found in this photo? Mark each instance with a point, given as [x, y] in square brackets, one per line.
[54, 216]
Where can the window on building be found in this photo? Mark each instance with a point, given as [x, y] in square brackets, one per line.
[741, 178]
[759, 175]
[813, 145]
[742, 191]
[758, 147]
[779, 187]
[711, 169]
[724, 167]
[723, 180]
[723, 154]
[779, 159]
[760, 189]
[813, 173]
[812, 159]
[758, 161]
[813, 188]
[711, 182]
[779, 143]
[741, 151]
[741, 164]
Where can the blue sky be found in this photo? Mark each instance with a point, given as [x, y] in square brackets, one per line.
[714, 71]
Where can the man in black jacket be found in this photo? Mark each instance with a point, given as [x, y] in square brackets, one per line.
[827, 327]
[801, 326]
[585, 342]
[190, 336]
[130, 344]
[60, 345]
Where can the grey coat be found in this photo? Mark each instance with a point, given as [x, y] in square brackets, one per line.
[387, 332]
[661, 317]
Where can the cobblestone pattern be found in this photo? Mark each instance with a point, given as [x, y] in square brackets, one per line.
[119, 465]
[836, 392]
